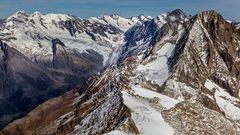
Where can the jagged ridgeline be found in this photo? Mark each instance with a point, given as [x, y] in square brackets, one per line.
[173, 74]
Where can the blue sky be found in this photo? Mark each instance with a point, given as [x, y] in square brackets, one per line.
[230, 9]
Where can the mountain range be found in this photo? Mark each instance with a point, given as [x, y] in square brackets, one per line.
[170, 74]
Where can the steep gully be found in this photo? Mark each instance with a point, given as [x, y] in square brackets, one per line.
[55, 42]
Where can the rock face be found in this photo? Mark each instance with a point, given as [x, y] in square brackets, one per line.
[4, 49]
[212, 44]
[173, 74]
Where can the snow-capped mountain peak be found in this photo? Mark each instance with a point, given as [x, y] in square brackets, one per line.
[119, 21]
[142, 17]
[175, 15]
[20, 15]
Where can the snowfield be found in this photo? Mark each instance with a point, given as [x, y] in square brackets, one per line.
[148, 120]
[226, 102]
[157, 70]
[165, 101]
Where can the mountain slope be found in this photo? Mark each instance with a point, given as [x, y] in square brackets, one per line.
[170, 75]
[43, 56]
[47, 55]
